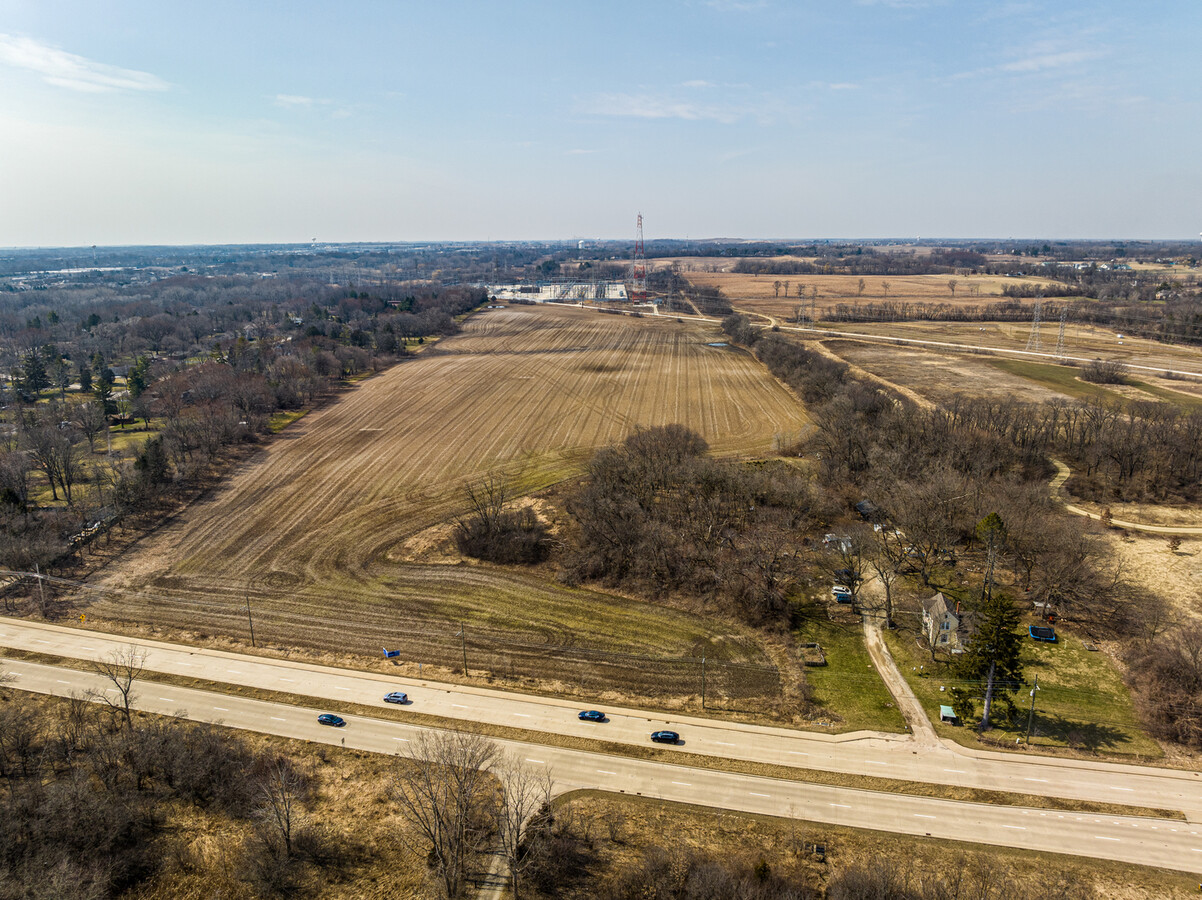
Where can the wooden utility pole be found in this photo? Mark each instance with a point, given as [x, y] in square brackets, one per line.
[41, 587]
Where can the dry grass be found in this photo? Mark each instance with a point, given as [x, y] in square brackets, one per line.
[202, 850]
[759, 294]
[785, 844]
[306, 529]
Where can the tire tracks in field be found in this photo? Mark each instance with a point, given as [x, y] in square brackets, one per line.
[391, 458]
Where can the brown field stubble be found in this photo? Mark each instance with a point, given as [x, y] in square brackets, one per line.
[304, 530]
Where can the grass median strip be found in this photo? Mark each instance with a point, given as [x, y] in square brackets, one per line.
[676, 757]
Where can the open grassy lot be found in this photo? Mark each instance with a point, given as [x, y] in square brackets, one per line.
[304, 533]
[759, 292]
[621, 827]
[851, 693]
[1080, 341]
[1062, 379]
[1082, 703]
[939, 376]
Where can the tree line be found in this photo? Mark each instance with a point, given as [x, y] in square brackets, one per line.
[936, 474]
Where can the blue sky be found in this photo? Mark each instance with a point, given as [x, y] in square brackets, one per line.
[215, 122]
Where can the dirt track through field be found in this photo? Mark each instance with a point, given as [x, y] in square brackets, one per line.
[305, 528]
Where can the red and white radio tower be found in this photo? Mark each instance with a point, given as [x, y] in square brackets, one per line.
[639, 294]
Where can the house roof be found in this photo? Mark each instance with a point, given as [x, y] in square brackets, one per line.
[938, 606]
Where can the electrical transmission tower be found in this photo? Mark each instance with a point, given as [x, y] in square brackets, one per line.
[1033, 340]
[1060, 336]
[639, 294]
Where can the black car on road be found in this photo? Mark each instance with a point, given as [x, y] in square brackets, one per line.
[591, 715]
[331, 719]
[665, 737]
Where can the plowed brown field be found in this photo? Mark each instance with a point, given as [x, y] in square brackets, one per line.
[306, 527]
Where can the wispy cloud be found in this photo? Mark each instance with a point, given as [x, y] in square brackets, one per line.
[1038, 62]
[1051, 56]
[68, 70]
[697, 83]
[297, 101]
[649, 106]
[737, 5]
[902, 4]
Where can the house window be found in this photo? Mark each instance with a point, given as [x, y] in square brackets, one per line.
[946, 626]
[943, 638]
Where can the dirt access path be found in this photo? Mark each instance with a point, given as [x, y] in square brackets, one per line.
[919, 722]
[1063, 473]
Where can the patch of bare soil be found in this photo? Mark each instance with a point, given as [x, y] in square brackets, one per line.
[435, 545]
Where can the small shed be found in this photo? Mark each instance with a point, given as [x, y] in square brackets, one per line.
[947, 714]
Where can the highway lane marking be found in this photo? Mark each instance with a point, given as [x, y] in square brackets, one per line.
[754, 794]
[189, 665]
[1044, 780]
[457, 706]
[539, 761]
[60, 681]
[682, 783]
[234, 671]
[1122, 789]
[341, 689]
[523, 715]
[1102, 838]
[168, 699]
[40, 641]
[873, 762]
[798, 753]
[723, 744]
[957, 771]
[922, 816]
[287, 679]
[402, 740]
[93, 649]
[278, 719]
[1022, 828]
[844, 805]
[603, 772]
[222, 708]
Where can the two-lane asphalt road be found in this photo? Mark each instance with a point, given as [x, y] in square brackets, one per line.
[1155, 842]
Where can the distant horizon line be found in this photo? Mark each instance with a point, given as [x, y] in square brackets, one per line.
[604, 240]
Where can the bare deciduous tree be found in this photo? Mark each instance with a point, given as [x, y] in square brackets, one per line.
[525, 805]
[123, 668]
[92, 421]
[280, 792]
[444, 792]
